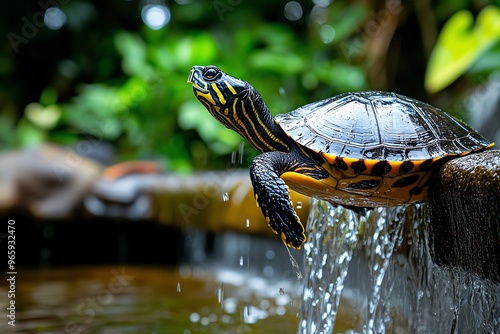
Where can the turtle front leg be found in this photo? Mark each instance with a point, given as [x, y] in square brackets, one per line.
[273, 197]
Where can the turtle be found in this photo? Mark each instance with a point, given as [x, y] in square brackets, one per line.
[359, 149]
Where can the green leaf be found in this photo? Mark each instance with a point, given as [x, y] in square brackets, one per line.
[277, 61]
[192, 115]
[460, 44]
[96, 111]
[345, 19]
[133, 50]
[28, 135]
[48, 96]
[198, 49]
[43, 117]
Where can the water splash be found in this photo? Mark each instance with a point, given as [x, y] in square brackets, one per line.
[294, 263]
[332, 235]
[377, 268]
[383, 227]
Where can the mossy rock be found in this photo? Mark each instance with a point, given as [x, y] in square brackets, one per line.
[464, 198]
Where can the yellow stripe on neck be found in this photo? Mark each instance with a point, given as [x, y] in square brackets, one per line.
[231, 88]
[219, 94]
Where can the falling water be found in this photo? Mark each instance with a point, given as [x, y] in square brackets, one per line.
[376, 269]
[332, 235]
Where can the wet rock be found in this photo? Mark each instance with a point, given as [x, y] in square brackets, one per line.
[214, 200]
[465, 214]
[128, 197]
[46, 182]
[217, 200]
[52, 182]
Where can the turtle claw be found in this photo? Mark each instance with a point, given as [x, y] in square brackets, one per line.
[290, 230]
[283, 220]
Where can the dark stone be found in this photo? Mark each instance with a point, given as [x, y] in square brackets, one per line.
[464, 198]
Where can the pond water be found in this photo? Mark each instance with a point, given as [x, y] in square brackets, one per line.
[135, 299]
[371, 274]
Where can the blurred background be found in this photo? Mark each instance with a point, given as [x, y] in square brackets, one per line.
[89, 86]
[116, 71]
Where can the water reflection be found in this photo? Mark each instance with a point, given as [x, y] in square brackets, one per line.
[149, 300]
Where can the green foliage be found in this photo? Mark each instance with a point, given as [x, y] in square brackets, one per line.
[460, 44]
[150, 110]
[116, 80]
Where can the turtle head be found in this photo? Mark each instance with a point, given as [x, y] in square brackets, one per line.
[238, 106]
[217, 91]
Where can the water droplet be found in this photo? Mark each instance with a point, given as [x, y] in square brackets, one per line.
[294, 262]
[178, 286]
[241, 261]
[270, 254]
[240, 152]
[247, 223]
[299, 205]
[327, 33]
[194, 317]
[225, 196]
[233, 157]
[220, 295]
[268, 271]
[282, 291]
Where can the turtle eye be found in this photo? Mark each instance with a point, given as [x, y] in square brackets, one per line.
[211, 73]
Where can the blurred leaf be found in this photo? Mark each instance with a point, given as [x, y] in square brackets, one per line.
[28, 135]
[95, 111]
[345, 19]
[44, 117]
[276, 61]
[133, 51]
[446, 8]
[197, 49]
[8, 131]
[275, 35]
[460, 44]
[343, 77]
[49, 96]
[131, 94]
[192, 115]
[488, 61]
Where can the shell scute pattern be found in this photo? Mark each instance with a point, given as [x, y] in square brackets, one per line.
[379, 126]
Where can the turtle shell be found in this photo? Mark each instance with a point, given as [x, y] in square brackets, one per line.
[378, 125]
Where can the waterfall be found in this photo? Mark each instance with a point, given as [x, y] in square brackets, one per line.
[372, 272]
